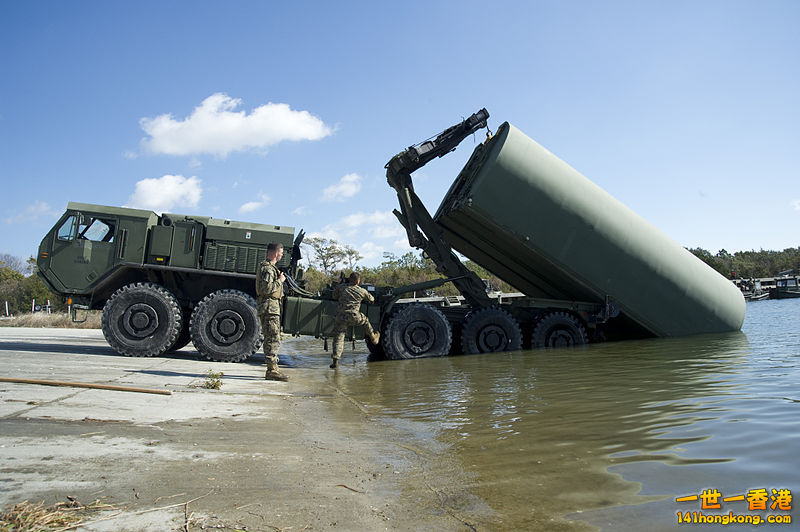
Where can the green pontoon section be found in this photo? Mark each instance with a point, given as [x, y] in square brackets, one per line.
[537, 223]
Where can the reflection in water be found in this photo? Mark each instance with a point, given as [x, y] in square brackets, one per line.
[610, 434]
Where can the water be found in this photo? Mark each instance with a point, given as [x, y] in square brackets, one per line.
[607, 436]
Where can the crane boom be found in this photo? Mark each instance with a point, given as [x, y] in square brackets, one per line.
[422, 231]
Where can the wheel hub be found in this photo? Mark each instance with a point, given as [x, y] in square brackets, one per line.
[227, 326]
[492, 338]
[560, 338]
[419, 337]
[140, 320]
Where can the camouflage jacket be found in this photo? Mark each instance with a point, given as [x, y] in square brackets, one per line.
[269, 288]
[350, 297]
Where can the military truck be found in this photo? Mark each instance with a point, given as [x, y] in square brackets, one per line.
[162, 281]
[587, 268]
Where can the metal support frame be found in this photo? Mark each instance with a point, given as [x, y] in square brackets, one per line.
[422, 231]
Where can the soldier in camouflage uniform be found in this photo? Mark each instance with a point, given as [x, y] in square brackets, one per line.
[350, 296]
[269, 288]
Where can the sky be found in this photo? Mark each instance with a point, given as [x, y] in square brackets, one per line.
[285, 113]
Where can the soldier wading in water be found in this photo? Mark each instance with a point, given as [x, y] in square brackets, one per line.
[350, 296]
[269, 288]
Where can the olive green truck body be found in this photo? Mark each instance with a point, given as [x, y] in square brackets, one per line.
[587, 268]
[163, 280]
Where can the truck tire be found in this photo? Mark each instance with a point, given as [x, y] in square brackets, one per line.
[141, 320]
[415, 331]
[558, 329]
[225, 326]
[184, 337]
[490, 330]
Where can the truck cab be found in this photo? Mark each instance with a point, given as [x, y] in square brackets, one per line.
[88, 243]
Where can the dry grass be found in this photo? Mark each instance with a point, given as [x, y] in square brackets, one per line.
[213, 380]
[40, 518]
[55, 320]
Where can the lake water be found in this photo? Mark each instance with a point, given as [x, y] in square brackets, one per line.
[606, 436]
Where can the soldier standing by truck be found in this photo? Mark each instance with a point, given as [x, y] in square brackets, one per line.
[269, 288]
[350, 296]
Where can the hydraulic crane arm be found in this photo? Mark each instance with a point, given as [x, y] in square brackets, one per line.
[423, 233]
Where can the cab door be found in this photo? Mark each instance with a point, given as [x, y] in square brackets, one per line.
[82, 250]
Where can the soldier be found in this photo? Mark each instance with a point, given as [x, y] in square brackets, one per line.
[350, 296]
[269, 288]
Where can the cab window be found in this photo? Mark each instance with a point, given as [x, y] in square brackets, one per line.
[67, 230]
[96, 229]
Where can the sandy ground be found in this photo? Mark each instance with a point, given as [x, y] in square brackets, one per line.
[254, 455]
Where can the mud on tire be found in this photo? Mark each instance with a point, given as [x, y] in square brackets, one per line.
[141, 320]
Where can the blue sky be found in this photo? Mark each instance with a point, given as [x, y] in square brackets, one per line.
[286, 112]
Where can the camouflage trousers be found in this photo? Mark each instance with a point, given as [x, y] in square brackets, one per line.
[340, 325]
[271, 327]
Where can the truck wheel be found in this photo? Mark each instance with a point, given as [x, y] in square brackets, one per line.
[488, 330]
[558, 329]
[141, 320]
[225, 327]
[415, 331]
[184, 336]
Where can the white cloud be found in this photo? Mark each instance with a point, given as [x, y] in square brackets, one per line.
[401, 246]
[796, 204]
[378, 231]
[251, 206]
[35, 210]
[300, 211]
[373, 253]
[389, 231]
[216, 127]
[347, 187]
[370, 251]
[373, 225]
[164, 193]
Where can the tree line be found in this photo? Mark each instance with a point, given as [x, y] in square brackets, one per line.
[747, 264]
[20, 286]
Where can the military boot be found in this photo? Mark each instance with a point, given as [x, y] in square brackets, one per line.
[335, 363]
[273, 374]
